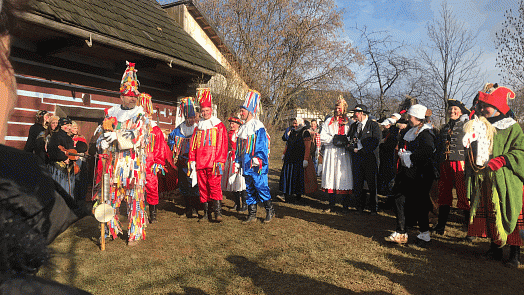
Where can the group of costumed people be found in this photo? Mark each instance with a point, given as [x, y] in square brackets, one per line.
[61, 150]
[477, 152]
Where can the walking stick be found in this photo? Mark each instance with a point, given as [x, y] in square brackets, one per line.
[107, 125]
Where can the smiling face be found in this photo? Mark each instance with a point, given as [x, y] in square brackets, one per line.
[234, 126]
[206, 113]
[339, 109]
[74, 129]
[244, 114]
[53, 124]
[454, 112]
[66, 128]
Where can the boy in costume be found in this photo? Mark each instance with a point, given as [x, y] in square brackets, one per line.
[252, 158]
[207, 156]
[232, 181]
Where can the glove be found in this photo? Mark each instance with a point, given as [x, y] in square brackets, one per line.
[237, 167]
[110, 136]
[104, 144]
[192, 165]
[497, 163]
[255, 162]
[304, 163]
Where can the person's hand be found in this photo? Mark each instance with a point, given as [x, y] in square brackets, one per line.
[192, 165]
[282, 158]
[355, 151]
[255, 162]
[104, 144]
[66, 161]
[110, 136]
[304, 163]
[237, 167]
[497, 163]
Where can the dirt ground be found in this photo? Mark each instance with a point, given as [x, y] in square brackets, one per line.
[302, 251]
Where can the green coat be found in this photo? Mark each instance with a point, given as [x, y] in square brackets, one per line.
[506, 183]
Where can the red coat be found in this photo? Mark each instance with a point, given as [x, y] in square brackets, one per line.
[208, 147]
[157, 155]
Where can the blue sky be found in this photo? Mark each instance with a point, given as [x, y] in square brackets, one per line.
[406, 21]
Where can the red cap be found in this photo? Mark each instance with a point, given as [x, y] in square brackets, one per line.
[498, 98]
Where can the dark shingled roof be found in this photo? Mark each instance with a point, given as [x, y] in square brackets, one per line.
[140, 22]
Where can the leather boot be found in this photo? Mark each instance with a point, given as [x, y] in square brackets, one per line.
[495, 252]
[467, 238]
[207, 214]
[514, 257]
[251, 213]
[152, 213]
[236, 199]
[443, 213]
[331, 205]
[270, 212]
[217, 204]
[243, 196]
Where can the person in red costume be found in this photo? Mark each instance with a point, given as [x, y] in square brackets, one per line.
[156, 157]
[207, 156]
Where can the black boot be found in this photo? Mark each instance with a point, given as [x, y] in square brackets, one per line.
[270, 212]
[189, 207]
[331, 208]
[243, 196]
[217, 204]
[251, 213]
[152, 213]
[207, 214]
[443, 213]
[467, 238]
[495, 252]
[514, 257]
[236, 199]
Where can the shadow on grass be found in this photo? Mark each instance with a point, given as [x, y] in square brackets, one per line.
[190, 291]
[272, 282]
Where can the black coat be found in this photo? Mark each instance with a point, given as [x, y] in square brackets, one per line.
[60, 138]
[369, 137]
[34, 131]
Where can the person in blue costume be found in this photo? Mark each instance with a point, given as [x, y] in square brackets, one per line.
[252, 158]
[178, 141]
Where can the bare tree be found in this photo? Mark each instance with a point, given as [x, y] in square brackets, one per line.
[510, 56]
[450, 59]
[386, 66]
[285, 46]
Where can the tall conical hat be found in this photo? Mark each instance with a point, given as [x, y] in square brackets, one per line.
[187, 107]
[129, 84]
[144, 100]
[252, 101]
[204, 97]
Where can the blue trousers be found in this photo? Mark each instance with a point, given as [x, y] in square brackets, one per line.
[257, 189]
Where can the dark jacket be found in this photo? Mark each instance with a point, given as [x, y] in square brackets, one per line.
[369, 137]
[422, 157]
[60, 138]
[449, 142]
[34, 131]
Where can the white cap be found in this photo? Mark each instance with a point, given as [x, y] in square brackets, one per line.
[386, 122]
[397, 116]
[418, 111]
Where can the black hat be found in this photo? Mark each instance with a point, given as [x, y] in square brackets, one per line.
[456, 103]
[64, 121]
[361, 108]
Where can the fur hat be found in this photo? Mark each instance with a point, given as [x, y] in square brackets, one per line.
[498, 98]
[129, 84]
[204, 97]
[418, 111]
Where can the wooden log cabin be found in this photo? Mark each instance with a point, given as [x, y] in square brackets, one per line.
[69, 57]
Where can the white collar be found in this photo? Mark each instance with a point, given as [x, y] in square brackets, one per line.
[412, 133]
[208, 124]
[187, 130]
[249, 128]
[504, 123]
[364, 122]
[124, 115]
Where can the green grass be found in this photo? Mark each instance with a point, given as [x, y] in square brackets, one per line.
[302, 251]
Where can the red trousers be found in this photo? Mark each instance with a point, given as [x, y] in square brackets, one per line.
[151, 187]
[452, 175]
[209, 185]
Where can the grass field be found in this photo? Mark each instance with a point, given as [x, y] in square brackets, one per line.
[302, 251]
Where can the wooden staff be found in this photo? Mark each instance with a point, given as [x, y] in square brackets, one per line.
[107, 125]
